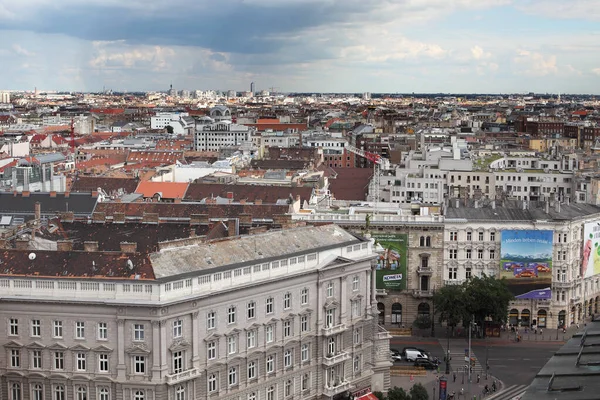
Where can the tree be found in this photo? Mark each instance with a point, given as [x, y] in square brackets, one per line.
[397, 393]
[449, 303]
[487, 297]
[422, 322]
[380, 395]
[418, 392]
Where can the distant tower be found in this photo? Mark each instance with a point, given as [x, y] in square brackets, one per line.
[252, 87]
[559, 97]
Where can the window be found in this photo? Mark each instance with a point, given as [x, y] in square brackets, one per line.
[15, 358]
[287, 301]
[139, 395]
[139, 364]
[210, 320]
[232, 376]
[269, 305]
[355, 283]
[211, 350]
[231, 345]
[304, 352]
[304, 323]
[251, 396]
[480, 254]
[269, 333]
[289, 388]
[138, 332]
[492, 236]
[180, 393]
[177, 362]
[14, 327]
[59, 392]
[452, 273]
[480, 235]
[81, 393]
[102, 331]
[469, 236]
[15, 391]
[355, 308]
[251, 310]
[36, 328]
[36, 359]
[329, 318]
[103, 362]
[287, 328]
[468, 253]
[356, 336]
[79, 330]
[468, 273]
[59, 360]
[305, 381]
[81, 361]
[453, 236]
[287, 359]
[271, 393]
[304, 296]
[453, 254]
[252, 370]
[212, 383]
[492, 254]
[270, 366]
[231, 315]
[251, 339]
[58, 329]
[177, 328]
[37, 392]
[356, 364]
[331, 346]
[330, 289]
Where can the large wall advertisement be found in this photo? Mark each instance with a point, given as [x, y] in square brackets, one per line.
[391, 264]
[590, 265]
[526, 262]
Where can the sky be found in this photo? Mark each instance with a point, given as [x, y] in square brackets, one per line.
[391, 46]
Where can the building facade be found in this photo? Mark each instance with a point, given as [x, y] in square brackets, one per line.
[280, 315]
[214, 136]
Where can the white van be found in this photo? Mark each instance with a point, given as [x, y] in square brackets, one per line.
[412, 355]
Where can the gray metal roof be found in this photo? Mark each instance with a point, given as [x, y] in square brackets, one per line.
[513, 211]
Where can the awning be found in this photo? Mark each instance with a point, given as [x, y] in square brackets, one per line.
[368, 396]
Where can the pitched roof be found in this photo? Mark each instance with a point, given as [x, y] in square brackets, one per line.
[251, 193]
[167, 190]
[78, 203]
[350, 183]
[109, 185]
[185, 210]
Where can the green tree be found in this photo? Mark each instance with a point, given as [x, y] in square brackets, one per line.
[418, 392]
[487, 297]
[422, 322]
[380, 395]
[397, 393]
[450, 304]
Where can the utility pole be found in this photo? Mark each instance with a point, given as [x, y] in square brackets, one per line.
[447, 351]
[469, 363]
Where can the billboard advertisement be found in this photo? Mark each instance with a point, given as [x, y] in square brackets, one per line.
[590, 265]
[526, 262]
[391, 264]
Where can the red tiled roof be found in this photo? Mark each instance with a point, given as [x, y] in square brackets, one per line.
[165, 157]
[38, 138]
[107, 110]
[350, 183]
[250, 193]
[167, 190]
[90, 184]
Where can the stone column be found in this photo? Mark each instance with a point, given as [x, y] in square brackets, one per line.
[195, 340]
[343, 298]
[121, 349]
[156, 350]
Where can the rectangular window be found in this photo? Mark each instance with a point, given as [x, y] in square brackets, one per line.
[15, 358]
[211, 350]
[330, 289]
[231, 315]
[103, 362]
[492, 236]
[81, 362]
[469, 236]
[492, 254]
[177, 328]
[329, 318]
[453, 236]
[251, 370]
[270, 365]
[102, 331]
[357, 336]
[305, 382]
[452, 273]
[480, 254]
[251, 339]
[288, 359]
[251, 308]
[138, 332]
[355, 283]
[139, 365]
[36, 328]
[304, 323]
[36, 359]
[287, 328]
[231, 345]
[304, 352]
[468, 253]
[269, 333]
[453, 253]
[211, 320]
[356, 364]
[177, 362]
[287, 301]
[58, 329]
[79, 330]
[59, 360]
[304, 297]
[468, 273]
[269, 305]
[13, 327]
[356, 308]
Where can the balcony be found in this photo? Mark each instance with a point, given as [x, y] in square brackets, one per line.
[331, 359]
[424, 270]
[419, 294]
[544, 303]
[562, 285]
[380, 292]
[334, 330]
[454, 281]
[183, 376]
[336, 388]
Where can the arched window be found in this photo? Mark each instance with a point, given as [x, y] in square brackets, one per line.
[180, 393]
[139, 395]
[81, 393]
[38, 392]
[513, 316]
[59, 392]
[422, 241]
[103, 393]
[396, 313]
[212, 383]
[541, 319]
[15, 391]
[423, 310]
[428, 241]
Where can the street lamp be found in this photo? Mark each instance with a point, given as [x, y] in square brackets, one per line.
[447, 350]
[433, 315]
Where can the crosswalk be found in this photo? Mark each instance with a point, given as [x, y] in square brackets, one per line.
[513, 392]
[457, 359]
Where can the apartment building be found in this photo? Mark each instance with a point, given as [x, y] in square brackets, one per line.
[216, 135]
[279, 315]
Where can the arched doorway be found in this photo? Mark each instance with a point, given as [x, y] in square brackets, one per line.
[562, 318]
[423, 310]
[513, 317]
[541, 319]
[525, 317]
[585, 308]
[573, 313]
[578, 312]
[591, 307]
[396, 313]
[381, 310]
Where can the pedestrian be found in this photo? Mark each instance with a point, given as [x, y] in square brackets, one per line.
[478, 378]
[541, 331]
[454, 376]
[462, 392]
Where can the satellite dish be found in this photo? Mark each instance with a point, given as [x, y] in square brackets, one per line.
[129, 264]
[32, 256]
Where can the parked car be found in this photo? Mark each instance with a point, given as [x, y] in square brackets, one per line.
[425, 363]
[423, 351]
[395, 354]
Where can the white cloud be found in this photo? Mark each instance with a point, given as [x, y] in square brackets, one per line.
[149, 57]
[596, 71]
[560, 9]
[22, 51]
[535, 64]
[478, 53]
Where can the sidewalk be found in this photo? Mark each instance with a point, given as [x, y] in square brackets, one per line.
[430, 381]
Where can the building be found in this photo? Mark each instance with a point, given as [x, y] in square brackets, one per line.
[284, 314]
[214, 136]
[181, 123]
[4, 97]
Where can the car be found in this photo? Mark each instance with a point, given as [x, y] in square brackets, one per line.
[396, 355]
[425, 363]
[423, 351]
[412, 354]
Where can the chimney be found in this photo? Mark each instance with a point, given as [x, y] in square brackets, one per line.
[298, 198]
[178, 201]
[557, 207]
[243, 201]
[524, 204]
[90, 246]
[230, 195]
[67, 195]
[64, 245]
[22, 244]
[258, 202]
[193, 233]
[233, 227]
[547, 207]
[476, 203]
[128, 247]
[94, 193]
[38, 211]
[457, 203]
[493, 204]
[26, 193]
[3, 243]
[53, 193]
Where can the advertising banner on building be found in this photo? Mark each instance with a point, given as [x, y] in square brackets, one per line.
[391, 264]
[526, 262]
[590, 265]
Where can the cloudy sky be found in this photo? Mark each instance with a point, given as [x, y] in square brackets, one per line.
[498, 46]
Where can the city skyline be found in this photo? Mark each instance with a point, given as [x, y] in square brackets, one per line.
[427, 46]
